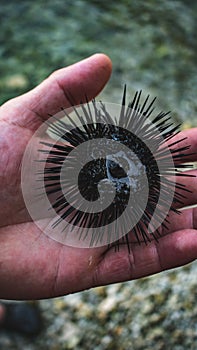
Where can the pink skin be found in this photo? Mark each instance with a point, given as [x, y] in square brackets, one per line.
[33, 266]
[2, 313]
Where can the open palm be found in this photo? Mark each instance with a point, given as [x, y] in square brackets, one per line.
[32, 265]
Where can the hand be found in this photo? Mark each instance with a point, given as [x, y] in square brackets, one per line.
[32, 265]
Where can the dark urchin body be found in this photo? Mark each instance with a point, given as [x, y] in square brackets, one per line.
[133, 117]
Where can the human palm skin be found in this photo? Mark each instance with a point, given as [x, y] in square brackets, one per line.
[33, 266]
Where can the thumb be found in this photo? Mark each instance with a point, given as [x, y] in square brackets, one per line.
[80, 80]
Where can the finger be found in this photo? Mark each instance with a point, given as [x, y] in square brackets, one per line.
[187, 189]
[186, 219]
[189, 138]
[80, 80]
[173, 250]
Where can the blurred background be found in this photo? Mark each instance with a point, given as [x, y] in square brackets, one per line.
[153, 47]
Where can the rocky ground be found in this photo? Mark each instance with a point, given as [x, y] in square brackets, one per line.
[159, 312]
